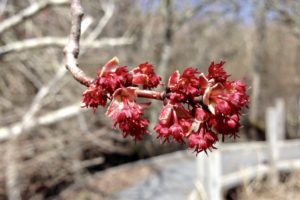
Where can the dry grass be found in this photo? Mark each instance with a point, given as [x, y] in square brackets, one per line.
[261, 190]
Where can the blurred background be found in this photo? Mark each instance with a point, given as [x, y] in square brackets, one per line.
[49, 144]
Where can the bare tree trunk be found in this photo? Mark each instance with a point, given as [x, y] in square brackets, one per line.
[255, 97]
[297, 71]
[165, 55]
[298, 117]
[168, 37]
[259, 61]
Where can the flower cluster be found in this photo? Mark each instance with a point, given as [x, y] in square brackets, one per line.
[197, 107]
[212, 102]
[117, 85]
[112, 77]
[125, 112]
[109, 78]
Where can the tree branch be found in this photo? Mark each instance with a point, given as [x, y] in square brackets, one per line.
[28, 12]
[108, 9]
[71, 50]
[37, 102]
[50, 118]
[29, 121]
[61, 42]
[45, 89]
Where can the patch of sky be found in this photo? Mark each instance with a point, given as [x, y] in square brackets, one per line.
[242, 9]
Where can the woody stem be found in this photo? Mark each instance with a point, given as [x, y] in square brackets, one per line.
[150, 94]
[71, 50]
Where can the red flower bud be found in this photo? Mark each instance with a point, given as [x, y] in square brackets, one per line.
[201, 115]
[174, 122]
[174, 79]
[216, 72]
[125, 112]
[165, 115]
[177, 132]
[202, 141]
[144, 75]
[94, 96]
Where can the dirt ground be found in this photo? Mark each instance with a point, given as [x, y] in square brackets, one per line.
[288, 189]
[109, 184]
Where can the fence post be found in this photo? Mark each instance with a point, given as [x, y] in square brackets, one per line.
[274, 133]
[281, 118]
[210, 175]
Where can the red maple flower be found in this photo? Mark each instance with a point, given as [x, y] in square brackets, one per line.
[174, 122]
[228, 98]
[125, 112]
[114, 79]
[94, 96]
[236, 94]
[173, 80]
[176, 97]
[202, 141]
[225, 102]
[201, 136]
[145, 75]
[186, 84]
[227, 125]
[216, 72]
[112, 76]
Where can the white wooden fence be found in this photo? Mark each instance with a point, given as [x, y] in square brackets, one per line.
[234, 163]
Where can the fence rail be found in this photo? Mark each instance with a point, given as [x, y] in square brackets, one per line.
[232, 164]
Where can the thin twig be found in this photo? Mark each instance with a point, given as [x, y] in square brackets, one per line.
[45, 89]
[108, 13]
[34, 43]
[50, 118]
[28, 12]
[12, 172]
